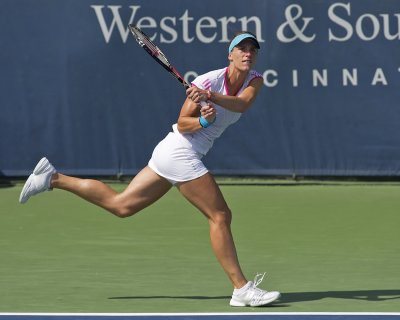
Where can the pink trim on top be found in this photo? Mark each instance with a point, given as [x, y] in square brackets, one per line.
[226, 88]
[254, 73]
[207, 84]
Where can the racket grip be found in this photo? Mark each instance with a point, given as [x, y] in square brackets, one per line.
[203, 104]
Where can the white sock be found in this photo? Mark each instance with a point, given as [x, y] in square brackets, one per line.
[242, 289]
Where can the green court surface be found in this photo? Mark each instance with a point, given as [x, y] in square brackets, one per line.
[330, 247]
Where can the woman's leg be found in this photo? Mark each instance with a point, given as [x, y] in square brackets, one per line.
[143, 190]
[205, 194]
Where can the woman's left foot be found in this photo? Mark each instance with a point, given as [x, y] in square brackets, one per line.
[252, 296]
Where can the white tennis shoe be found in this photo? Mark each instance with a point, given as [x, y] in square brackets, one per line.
[38, 181]
[252, 296]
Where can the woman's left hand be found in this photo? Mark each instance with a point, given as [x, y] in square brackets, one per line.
[196, 94]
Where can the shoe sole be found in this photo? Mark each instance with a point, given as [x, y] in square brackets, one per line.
[23, 197]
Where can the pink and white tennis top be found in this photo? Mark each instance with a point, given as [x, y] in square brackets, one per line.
[202, 140]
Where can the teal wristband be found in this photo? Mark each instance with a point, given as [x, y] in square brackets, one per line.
[203, 122]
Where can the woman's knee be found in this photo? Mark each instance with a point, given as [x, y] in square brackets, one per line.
[221, 217]
[121, 209]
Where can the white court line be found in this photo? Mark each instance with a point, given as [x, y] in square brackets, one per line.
[200, 314]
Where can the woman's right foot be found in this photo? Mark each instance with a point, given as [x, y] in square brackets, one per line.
[38, 181]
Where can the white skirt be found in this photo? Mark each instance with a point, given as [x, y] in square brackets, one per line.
[175, 160]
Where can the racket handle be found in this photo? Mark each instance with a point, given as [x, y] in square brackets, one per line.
[203, 104]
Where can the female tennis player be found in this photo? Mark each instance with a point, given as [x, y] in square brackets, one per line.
[176, 161]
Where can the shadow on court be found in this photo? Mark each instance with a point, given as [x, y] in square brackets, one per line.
[367, 295]
[292, 297]
[5, 182]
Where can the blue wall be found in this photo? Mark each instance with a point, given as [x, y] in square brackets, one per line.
[75, 86]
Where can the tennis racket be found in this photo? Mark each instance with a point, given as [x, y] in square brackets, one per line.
[143, 40]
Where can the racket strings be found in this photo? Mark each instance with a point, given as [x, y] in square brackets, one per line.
[144, 41]
[155, 51]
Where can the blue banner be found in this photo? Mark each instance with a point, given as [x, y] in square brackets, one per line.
[75, 86]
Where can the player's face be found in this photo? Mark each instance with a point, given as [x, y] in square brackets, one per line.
[244, 55]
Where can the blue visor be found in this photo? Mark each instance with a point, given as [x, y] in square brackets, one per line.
[236, 40]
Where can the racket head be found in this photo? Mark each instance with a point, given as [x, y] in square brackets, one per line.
[144, 41]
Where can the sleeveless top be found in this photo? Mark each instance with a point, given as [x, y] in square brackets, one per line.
[202, 140]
